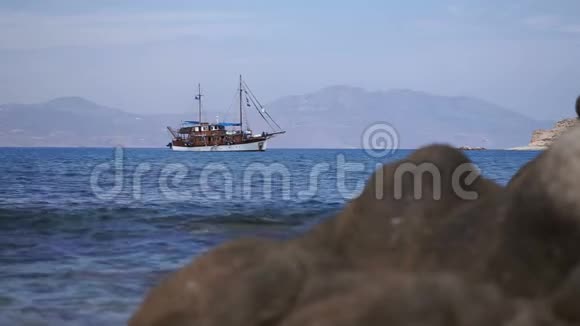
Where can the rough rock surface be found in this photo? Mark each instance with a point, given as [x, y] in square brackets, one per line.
[451, 249]
[544, 138]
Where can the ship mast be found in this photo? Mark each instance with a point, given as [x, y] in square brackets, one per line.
[198, 98]
[241, 90]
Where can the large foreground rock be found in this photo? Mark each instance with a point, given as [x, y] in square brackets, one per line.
[445, 248]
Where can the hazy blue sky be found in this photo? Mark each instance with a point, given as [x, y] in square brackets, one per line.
[147, 56]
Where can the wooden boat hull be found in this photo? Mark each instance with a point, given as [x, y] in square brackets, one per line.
[256, 146]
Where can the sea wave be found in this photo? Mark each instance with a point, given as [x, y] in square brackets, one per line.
[73, 217]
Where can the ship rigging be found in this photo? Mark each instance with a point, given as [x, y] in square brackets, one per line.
[199, 136]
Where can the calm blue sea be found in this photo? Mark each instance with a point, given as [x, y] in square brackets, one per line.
[85, 232]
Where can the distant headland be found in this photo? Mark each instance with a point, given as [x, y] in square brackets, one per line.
[544, 138]
[471, 148]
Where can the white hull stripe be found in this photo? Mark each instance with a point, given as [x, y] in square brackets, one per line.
[254, 146]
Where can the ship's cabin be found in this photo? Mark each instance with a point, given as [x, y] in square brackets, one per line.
[207, 127]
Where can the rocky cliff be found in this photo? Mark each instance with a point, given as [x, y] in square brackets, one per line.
[543, 138]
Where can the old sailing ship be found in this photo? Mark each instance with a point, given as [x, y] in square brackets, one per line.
[198, 136]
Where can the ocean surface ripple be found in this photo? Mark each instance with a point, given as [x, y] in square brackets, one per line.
[85, 232]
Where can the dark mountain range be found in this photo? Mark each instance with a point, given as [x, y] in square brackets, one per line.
[73, 121]
[336, 117]
[331, 117]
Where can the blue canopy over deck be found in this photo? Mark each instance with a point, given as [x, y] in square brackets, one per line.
[224, 124]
